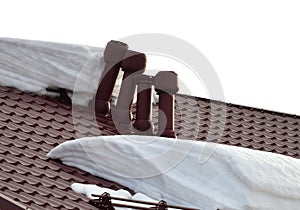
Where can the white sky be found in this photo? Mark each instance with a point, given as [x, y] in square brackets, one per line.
[254, 46]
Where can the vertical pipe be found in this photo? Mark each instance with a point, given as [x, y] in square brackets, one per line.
[166, 85]
[113, 55]
[134, 63]
[143, 122]
[166, 115]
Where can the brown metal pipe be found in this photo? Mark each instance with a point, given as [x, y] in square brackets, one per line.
[166, 115]
[166, 85]
[134, 63]
[143, 122]
[113, 55]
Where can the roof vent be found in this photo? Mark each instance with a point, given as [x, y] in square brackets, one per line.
[113, 55]
[134, 64]
[166, 85]
[117, 56]
[143, 121]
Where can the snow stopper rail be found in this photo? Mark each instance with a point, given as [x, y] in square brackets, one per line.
[104, 202]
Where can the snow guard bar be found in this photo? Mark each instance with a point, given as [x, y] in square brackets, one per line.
[117, 56]
[104, 202]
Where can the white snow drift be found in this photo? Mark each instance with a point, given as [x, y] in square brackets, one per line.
[34, 65]
[90, 189]
[162, 168]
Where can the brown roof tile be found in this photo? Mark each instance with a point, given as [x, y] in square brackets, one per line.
[244, 126]
[32, 125]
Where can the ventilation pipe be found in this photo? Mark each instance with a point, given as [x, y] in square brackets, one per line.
[113, 55]
[143, 122]
[133, 64]
[166, 85]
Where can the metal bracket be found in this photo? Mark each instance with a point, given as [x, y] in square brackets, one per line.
[162, 205]
[105, 202]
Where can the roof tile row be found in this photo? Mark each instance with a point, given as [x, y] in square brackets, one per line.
[32, 125]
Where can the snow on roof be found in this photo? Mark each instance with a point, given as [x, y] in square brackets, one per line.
[35, 65]
[168, 169]
[91, 189]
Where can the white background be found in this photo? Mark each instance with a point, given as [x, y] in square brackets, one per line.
[254, 46]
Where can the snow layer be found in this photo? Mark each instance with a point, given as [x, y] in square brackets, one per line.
[34, 65]
[90, 189]
[163, 168]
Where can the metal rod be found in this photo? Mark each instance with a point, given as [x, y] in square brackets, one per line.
[146, 202]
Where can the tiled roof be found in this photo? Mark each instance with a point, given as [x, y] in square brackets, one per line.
[244, 126]
[31, 125]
